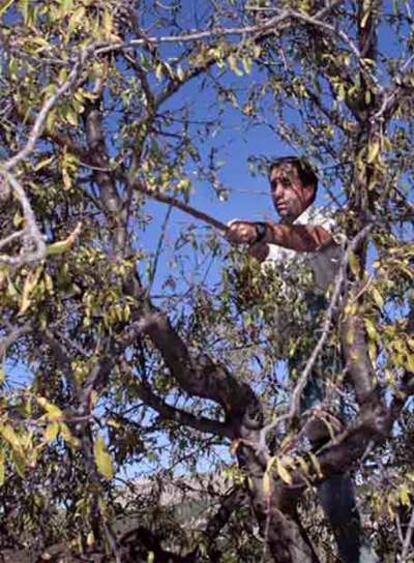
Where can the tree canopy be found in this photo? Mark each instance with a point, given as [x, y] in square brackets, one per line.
[147, 413]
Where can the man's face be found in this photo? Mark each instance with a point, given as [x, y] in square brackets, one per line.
[290, 197]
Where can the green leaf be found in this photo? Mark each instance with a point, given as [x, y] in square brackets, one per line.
[64, 245]
[103, 459]
[378, 298]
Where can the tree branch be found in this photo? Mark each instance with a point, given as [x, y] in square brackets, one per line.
[200, 423]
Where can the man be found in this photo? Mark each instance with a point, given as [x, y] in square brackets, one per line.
[306, 234]
[293, 189]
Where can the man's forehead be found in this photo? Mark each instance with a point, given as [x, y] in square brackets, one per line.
[283, 170]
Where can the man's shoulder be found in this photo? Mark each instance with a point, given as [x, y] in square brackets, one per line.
[326, 217]
[317, 216]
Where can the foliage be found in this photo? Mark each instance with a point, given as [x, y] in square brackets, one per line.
[129, 366]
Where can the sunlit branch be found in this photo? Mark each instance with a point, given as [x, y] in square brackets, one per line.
[169, 200]
[30, 235]
[268, 25]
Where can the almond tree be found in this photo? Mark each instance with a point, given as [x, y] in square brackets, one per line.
[101, 374]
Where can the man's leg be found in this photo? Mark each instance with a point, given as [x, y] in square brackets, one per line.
[337, 498]
[336, 494]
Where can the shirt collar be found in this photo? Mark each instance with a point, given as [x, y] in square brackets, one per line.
[303, 218]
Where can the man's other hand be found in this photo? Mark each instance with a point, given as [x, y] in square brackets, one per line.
[241, 232]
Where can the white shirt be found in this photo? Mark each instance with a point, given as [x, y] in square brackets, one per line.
[323, 262]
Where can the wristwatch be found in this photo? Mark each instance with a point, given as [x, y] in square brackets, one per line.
[261, 231]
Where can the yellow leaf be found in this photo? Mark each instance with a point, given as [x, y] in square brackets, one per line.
[232, 61]
[66, 6]
[10, 436]
[371, 329]
[234, 446]
[378, 298]
[354, 263]
[76, 18]
[67, 180]
[103, 459]
[5, 5]
[267, 483]
[29, 284]
[71, 116]
[67, 436]
[405, 496]
[180, 74]
[44, 162]
[51, 432]
[247, 64]
[373, 152]
[316, 464]
[64, 245]
[159, 71]
[349, 337]
[19, 462]
[365, 18]
[53, 412]
[90, 539]
[107, 23]
[2, 469]
[303, 465]
[48, 283]
[283, 472]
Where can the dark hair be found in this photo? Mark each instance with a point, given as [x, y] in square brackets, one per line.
[305, 171]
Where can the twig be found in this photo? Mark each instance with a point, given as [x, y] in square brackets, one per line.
[159, 249]
[174, 202]
[11, 238]
[11, 338]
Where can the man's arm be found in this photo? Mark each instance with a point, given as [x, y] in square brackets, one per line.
[302, 238]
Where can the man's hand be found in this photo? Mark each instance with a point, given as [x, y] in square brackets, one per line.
[259, 250]
[241, 232]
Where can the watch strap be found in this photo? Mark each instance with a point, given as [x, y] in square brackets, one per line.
[261, 231]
